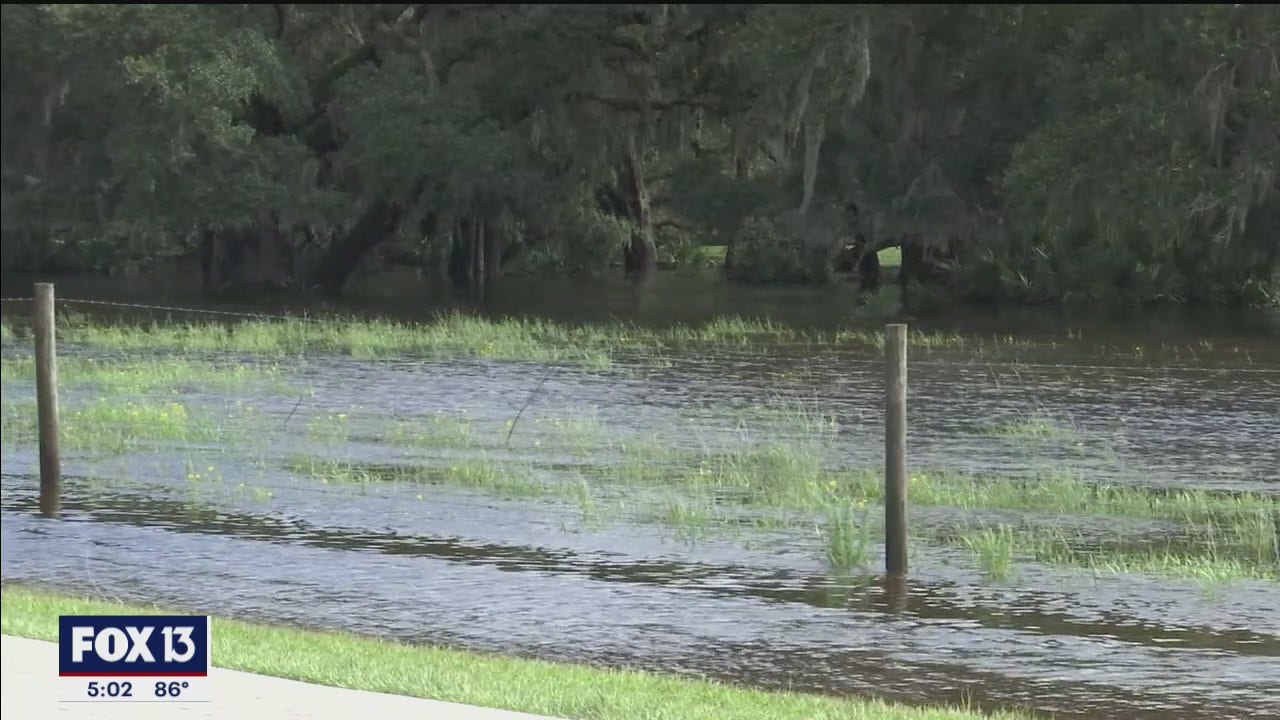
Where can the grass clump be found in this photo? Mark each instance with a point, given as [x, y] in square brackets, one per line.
[690, 518]
[993, 548]
[531, 686]
[847, 538]
[1029, 428]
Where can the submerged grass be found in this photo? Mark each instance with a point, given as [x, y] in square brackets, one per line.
[993, 548]
[532, 686]
[144, 375]
[1204, 560]
[1066, 494]
[847, 536]
[1033, 427]
[1196, 555]
[440, 430]
[690, 518]
[114, 427]
[479, 474]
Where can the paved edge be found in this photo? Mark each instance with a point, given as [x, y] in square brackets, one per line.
[29, 689]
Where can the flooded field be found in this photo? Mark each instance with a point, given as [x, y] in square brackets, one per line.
[1094, 515]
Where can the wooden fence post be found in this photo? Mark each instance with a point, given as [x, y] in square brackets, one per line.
[895, 450]
[47, 400]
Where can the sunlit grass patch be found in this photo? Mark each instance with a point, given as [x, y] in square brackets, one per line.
[890, 257]
[113, 427]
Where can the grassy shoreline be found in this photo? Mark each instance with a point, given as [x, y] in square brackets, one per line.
[458, 335]
[553, 689]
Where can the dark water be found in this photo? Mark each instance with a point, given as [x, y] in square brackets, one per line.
[1166, 401]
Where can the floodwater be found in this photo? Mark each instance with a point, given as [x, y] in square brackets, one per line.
[1158, 401]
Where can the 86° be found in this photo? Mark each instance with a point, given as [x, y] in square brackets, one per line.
[171, 689]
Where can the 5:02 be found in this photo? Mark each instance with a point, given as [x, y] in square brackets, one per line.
[110, 689]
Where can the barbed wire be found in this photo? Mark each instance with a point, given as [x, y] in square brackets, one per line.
[174, 308]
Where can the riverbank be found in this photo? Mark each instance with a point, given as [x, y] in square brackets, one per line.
[531, 686]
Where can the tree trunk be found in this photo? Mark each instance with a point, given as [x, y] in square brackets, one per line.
[257, 257]
[377, 224]
[460, 255]
[814, 133]
[641, 254]
[477, 252]
[741, 171]
[492, 256]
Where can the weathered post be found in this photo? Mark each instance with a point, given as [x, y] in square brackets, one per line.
[895, 450]
[47, 401]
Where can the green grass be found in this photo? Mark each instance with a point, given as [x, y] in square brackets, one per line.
[110, 426]
[478, 474]
[993, 548]
[437, 431]
[531, 686]
[1198, 555]
[690, 518]
[847, 537]
[890, 257]
[457, 335]
[711, 255]
[1032, 427]
[143, 375]
[1205, 560]
[786, 416]
[1067, 495]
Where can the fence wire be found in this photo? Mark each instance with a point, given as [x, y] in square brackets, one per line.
[360, 415]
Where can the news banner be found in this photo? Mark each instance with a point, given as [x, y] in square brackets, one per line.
[133, 658]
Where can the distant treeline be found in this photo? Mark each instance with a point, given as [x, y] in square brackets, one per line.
[1026, 153]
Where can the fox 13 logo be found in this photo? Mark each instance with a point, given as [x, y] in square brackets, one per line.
[133, 658]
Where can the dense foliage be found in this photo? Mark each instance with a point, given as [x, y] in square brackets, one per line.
[1122, 153]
